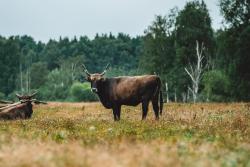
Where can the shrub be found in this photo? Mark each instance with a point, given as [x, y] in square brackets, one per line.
[2, 96]
[57, 85]
[216, 86]
[82, 92]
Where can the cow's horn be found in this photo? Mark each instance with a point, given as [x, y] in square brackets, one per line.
[39, 102]
[33, 94]
[105, 70]
[19, 96]
[85, 69]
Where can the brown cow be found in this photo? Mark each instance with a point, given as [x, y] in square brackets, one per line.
[126, 90]
[20, 110]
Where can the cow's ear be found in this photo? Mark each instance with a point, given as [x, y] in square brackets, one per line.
[87, 78]
[103, 79]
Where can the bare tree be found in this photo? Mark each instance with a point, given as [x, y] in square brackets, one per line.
[184, 97]
[28, 80]
[195, 71]
[167, 92]
[73, 69]
[188, 96]
[175, 96]
[21, 77]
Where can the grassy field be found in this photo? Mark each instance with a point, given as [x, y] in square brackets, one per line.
[84, 134]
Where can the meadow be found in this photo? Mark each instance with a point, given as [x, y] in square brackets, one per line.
[84, 134]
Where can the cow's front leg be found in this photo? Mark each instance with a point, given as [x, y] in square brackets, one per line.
[117, 112]
[114, 113]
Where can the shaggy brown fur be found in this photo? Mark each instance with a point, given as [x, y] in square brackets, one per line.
[126, 90]
[21, 111]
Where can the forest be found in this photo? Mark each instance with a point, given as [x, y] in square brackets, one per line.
[170, 47]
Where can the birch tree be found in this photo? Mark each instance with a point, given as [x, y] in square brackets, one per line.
[195, 71]
[167, 92]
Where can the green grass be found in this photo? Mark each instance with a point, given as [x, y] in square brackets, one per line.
[84, 134]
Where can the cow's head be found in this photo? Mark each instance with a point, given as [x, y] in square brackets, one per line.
[95, 79]
[26, 98]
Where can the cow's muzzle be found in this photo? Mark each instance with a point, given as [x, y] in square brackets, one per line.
[94, 90]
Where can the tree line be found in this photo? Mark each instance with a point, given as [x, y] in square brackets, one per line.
[168, 47]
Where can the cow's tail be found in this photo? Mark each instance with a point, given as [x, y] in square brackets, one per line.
[161, 102]
[160, 95]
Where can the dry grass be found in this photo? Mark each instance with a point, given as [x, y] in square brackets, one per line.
[84, 134]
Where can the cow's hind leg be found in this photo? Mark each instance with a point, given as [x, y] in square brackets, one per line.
[156, 108]
[144, 109]
[118, 113]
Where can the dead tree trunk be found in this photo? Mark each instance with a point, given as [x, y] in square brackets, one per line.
[27, 81]
[175, 96]
[73, 68]
[195, 71]
[188, 96]
[21, 77]
[184, 97]
[167, 92]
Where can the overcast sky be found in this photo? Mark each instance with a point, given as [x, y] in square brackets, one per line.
[45, 19]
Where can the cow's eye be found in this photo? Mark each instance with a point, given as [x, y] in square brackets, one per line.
[87, 78]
